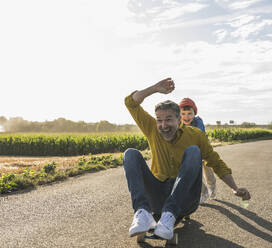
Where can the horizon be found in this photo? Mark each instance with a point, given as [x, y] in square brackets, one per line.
[78, 60]
[211, 124]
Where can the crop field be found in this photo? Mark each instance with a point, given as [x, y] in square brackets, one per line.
[82, 144]
[242, 134]
[68, 144]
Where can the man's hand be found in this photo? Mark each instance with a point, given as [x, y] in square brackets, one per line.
[242, 192]
[165, 86]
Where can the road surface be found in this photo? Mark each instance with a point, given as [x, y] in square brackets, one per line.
[94, 210]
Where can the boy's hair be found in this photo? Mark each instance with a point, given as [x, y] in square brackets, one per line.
[168, 105]
[188, 102]
[187, 107]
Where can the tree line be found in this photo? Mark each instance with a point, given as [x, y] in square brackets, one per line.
[18, 124]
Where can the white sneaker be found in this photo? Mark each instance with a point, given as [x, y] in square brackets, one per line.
[142, 222]
[212, 190]
[165, 226]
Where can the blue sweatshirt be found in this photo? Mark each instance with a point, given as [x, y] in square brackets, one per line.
[197, 122]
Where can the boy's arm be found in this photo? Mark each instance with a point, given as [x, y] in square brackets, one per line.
[165, 86]
[200, 124]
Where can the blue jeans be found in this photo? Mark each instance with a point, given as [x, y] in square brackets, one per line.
[179, 195]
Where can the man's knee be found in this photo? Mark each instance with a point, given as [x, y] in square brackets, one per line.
[193, 149]
[193, 152]
[130, 155]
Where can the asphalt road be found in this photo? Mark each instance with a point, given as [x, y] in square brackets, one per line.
[94, 210]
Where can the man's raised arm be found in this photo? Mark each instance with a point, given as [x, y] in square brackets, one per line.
[165, 86]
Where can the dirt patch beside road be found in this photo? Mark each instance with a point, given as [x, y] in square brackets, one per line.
[17, 163]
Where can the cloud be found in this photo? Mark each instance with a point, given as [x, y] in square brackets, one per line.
[241, 20]
[254, 92]
[243, 4]
[264, 67]
[220, 35]
[178, 11]
[187, 21]
[163, 13]
[251, 29]
[243, 27]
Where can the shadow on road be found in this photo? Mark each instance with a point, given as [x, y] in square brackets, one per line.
[191, 236]
[251, 215]
[241, 222]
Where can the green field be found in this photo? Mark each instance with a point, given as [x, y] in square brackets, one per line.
[68, 144]
[239, 134]
[81, 144]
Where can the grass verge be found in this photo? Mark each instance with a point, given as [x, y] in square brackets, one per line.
[50, 172]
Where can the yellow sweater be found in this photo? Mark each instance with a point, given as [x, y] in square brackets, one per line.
[166, 156]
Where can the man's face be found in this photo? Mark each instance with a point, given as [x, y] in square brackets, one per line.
[167, 123]
[187, 116]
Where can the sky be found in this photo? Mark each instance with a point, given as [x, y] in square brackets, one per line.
[79, 59]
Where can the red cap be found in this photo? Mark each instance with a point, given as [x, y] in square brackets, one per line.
[188, 102]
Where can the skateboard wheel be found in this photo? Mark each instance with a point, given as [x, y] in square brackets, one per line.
[174, 240]
[141, 238]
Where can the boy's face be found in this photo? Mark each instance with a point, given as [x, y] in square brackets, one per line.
[187, 116]
[167, 123]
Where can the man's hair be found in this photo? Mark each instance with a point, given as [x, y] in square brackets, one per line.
[168, 105]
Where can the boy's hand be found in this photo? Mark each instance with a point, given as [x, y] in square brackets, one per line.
[165, 86]
[242, 192]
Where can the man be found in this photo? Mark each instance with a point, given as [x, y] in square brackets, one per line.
[172, 187]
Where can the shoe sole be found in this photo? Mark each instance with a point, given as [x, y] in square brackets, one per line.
[137, 234]
[161, 236]
[141, 233]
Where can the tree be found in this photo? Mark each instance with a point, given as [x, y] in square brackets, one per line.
[231, 122]
[248, 124]
[3, 120]
[105, 126]
[18, 124]
[269, 125]
[218, 123]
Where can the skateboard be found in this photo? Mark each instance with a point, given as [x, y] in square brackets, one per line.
[150, 234]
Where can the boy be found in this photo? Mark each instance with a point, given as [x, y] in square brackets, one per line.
[188, 112]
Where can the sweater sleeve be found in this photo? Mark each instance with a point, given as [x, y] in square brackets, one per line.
[213, 159]
[143, 119]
